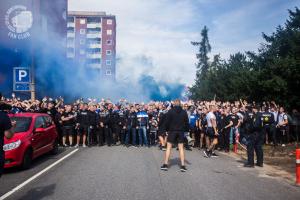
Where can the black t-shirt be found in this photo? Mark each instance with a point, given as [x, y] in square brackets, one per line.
[235, 119]
[52, 112]
[225, 121]
[267, 118]
[69, 122]
[5, 124]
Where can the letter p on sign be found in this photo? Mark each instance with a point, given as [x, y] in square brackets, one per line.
[22, 74]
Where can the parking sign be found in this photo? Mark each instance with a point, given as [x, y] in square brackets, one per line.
[22, 79]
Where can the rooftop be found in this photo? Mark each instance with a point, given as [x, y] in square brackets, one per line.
[86, 13]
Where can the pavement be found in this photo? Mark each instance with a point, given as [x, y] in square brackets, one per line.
[118, 172]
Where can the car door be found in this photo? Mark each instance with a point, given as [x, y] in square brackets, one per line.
[37, 138]
[49, 130]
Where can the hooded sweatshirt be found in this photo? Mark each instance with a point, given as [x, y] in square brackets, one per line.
[177, 120]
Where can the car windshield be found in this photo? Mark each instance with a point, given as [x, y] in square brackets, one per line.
[22, 123]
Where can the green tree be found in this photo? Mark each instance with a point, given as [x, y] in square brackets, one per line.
[271, 74]
[203, 61]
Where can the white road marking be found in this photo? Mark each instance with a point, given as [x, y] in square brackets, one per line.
[35, 176]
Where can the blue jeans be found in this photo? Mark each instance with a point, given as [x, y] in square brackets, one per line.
[143, 135]
[233, 131]
[133, 132]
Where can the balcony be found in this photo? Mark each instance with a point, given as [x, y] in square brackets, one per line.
[93, 55]
[71, 24]
[93, 25]
[93, 35]
[94, 46]
[94, 66]
[70, 35]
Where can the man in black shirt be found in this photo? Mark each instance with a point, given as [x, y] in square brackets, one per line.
[131, 125]
[102, 127]
[255, 139]
[177, 122]
[225, 130]
[68, 121]
[82, 124]
[6, 130]
[234, 118]
[93, 123]
[269, 129]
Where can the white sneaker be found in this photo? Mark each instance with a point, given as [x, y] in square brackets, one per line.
[283, 145]
[76, 146]
[83, 145]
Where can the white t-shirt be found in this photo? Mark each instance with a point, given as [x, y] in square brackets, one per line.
[275, 115]
[209, 117]
[282, 117]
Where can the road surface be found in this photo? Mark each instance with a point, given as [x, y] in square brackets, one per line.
[129, 173]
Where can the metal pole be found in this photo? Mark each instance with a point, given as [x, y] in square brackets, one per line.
[32, 78]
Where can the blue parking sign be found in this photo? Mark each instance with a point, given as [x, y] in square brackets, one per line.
[22, 79]
[22, 75]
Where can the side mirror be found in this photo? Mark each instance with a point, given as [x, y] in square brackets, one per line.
[39, 130]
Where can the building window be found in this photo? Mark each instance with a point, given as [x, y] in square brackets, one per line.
[109, 21]
[108, 42]
[109, 32]
[108, 62]
[82, 31]
[108, 72]
[82, 21]
[82, 41]
[82, 52]
[108, 52]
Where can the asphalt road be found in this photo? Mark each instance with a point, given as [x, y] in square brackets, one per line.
[128, 173]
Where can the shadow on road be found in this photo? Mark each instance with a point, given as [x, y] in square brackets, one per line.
[176, 161]
[39, 192]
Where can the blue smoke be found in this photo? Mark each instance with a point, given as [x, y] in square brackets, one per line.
[160, 90]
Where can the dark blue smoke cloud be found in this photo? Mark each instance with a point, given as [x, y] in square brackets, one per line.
[159, 90]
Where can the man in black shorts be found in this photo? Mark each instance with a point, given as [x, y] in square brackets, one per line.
[176, 123]
[68, 121]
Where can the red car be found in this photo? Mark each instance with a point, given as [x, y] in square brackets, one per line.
[35, 135]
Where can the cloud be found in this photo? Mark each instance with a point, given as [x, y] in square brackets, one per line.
[161, 31]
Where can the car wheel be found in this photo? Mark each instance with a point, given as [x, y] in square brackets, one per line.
[54, 151]
[27, 159]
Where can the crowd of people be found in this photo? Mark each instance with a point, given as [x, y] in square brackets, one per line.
[88, 123]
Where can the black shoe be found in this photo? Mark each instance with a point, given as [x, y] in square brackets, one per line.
[183, 168]
[248, 165]
[259, 165]
[214, 155]
[207, 154]
[164, 167]
[189, 149]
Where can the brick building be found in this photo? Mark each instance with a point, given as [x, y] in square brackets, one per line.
[91, 41]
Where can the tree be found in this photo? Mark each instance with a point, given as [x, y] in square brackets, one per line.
[271, 74]
[204, 49]
[203, 62]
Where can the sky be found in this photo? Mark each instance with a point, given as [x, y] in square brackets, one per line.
[154, 36]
